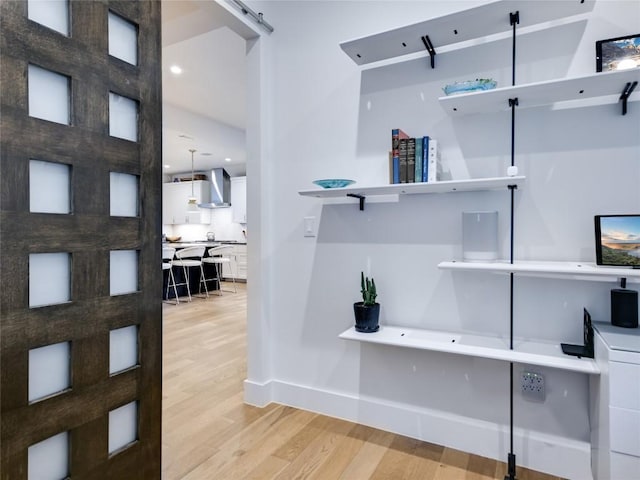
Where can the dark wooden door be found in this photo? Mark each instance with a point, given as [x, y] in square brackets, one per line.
[80, 213]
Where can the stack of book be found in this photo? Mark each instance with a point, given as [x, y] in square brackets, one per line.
[413, 159]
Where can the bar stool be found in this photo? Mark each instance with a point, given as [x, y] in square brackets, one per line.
[187, 258]
[167, 257]
[219, 256]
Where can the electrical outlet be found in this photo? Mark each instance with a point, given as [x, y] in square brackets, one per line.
[532, 385]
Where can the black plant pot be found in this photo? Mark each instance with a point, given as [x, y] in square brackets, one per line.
[366, 317]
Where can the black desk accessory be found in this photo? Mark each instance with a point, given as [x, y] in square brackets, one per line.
[585, 350]
[624, 306]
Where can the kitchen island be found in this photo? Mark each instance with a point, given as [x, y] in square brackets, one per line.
[194, 278]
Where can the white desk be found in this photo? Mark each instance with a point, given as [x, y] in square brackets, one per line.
[615, 404]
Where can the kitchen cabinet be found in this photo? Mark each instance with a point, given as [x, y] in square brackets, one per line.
[239, 199]
[615, 404]
[175, 198]
[240, 268]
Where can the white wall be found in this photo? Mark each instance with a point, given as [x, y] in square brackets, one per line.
[329, 118]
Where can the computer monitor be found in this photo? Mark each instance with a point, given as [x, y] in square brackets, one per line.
[618, 240]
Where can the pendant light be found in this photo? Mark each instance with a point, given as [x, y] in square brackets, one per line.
[192, 206]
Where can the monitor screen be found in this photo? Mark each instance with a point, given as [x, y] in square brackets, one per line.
[618, 240]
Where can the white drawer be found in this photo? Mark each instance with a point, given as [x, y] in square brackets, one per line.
[625, 431]
[624, 467]
[625, 385]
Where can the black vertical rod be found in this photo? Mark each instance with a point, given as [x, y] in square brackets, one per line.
[512, 457]
[514, 19]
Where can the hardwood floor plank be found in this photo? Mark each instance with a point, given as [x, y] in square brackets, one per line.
[309, 462]
[285, 423]
[266, 432]
[479, 468]
[346, 448]
[365, 462]
[210, 434]
[268, 469]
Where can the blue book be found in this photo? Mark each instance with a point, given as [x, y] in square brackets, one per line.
[425, 158]
[396, 170]
[418, 160]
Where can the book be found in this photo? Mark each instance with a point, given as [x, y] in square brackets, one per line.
[425, 158]
[435, 165]
[418, 160]
[396, 135]
[402, 155]
[411, 160]
[391, 172]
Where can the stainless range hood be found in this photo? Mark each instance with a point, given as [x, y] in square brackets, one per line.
[220, 189]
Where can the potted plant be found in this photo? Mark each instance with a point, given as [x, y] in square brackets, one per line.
[367, 312]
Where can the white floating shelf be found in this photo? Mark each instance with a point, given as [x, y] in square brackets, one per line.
[574, 270]
[458, 27]
[475, 184]
[526, 352]
[542, 93]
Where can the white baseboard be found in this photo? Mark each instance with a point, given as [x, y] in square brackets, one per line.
[550, 454]
[258, 394]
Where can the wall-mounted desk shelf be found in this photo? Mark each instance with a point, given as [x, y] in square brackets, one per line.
[526, 352]
[457, 27]
[476, 184]
[542, 93]
[573, 270]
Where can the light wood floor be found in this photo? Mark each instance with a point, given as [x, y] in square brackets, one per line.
[210, 434]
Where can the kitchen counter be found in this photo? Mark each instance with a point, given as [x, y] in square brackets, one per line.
[197, 243]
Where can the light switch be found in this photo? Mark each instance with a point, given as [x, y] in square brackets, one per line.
[309, 226]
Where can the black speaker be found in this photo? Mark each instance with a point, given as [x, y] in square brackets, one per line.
[624, 308]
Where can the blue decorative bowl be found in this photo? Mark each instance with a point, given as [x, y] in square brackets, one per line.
[333, 182]
[469, 86]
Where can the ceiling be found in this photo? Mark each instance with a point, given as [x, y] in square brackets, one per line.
[204, 107]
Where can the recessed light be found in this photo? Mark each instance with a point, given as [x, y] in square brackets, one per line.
[175, 69]
[167, 166]
[227, 159]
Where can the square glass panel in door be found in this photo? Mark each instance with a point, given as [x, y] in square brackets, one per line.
[49, 459]
[124, 195]
[49, 95]
[123, 117]
[123, 426]
[49, 187]
[123, 39]
[123, 348]
[123, 272]
[50, 13]
[49, 279]
[49, 370]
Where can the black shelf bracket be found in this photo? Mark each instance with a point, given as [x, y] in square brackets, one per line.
[628, 88]
[359, 197]
[514, 18]
[429, 46]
